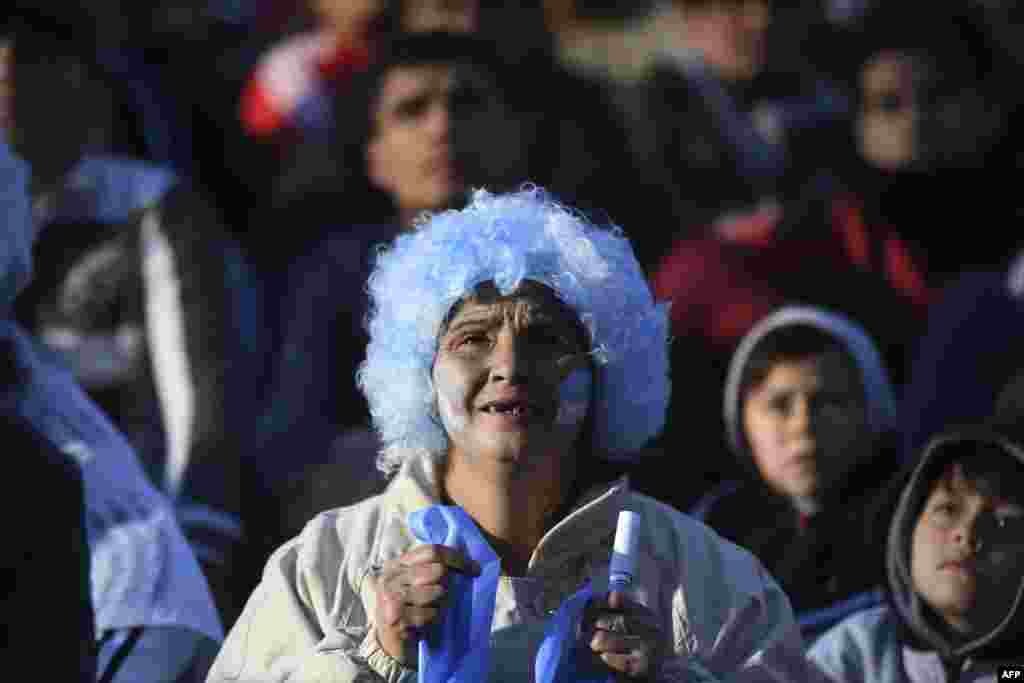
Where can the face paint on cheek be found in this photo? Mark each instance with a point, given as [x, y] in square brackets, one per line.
[574, 397]
[450, 402]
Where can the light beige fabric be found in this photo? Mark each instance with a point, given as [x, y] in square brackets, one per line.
[310, 619]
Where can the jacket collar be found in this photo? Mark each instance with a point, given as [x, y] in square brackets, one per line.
[591, 522]
[416, 485]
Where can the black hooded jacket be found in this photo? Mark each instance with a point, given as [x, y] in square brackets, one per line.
[824, 560]
[829, 563]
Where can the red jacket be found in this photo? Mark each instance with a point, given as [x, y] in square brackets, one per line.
[721, 285]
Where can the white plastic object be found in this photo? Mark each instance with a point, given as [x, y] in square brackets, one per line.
[622, 571]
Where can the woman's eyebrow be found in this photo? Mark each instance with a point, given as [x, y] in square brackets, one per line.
[479, 320]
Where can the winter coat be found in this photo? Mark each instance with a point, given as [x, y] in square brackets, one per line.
[312, 616]
[900, 641]
[829, 563]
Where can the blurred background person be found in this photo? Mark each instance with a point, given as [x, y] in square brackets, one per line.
[140, 291]
[809, 411]
[715, 127]
[967, 354]
[291, 92]
[758, 154]
[49, 557]
[400, 149]
[154, 617]
[863, 243]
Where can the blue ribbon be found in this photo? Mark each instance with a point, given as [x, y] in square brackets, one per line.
[457, 649]
[561, 656]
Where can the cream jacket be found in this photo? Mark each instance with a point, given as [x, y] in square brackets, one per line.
[311, 617]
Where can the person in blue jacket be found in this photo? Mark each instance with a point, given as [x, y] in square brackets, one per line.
[955, 566]
[154, 617]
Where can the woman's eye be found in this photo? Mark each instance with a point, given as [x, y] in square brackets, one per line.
[471, 340]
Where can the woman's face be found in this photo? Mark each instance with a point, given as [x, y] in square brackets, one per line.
[513, 379]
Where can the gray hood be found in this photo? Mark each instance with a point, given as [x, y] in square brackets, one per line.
[881, 402]
[1005, 638]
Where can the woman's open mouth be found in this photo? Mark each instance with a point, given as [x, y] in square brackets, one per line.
[514, 413]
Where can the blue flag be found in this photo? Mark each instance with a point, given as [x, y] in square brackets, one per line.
[457, 649]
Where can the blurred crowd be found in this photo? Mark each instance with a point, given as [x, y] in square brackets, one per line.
[208, 183]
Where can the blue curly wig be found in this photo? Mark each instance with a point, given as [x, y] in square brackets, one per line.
[507, 239]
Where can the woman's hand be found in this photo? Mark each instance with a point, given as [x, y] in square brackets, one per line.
[625, 635]
[410, 594]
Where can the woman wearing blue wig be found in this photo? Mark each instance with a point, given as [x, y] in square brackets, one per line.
[513, 348]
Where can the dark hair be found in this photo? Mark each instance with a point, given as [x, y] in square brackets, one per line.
[389, 21]
[519, 30]
[987, 467]
[954, 38]
[414, 49]
[64, 101]
[786, 344]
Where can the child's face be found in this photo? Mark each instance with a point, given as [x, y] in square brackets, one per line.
[805, 423]
[967, 554]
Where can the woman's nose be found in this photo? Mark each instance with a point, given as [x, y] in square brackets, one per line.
[509, 360]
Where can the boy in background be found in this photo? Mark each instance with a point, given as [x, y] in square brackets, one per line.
[955, 565]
